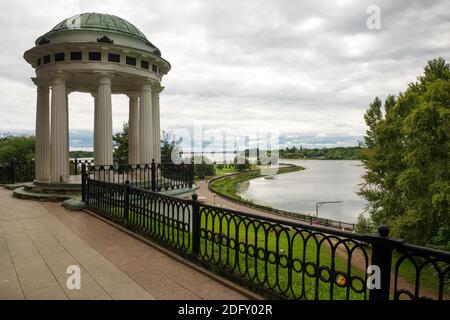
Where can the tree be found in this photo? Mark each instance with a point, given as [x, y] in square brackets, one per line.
[168, 145]
[407, 181]
[16, 149]
[203, 167]
[241, 163]
[120, 141]
[364, 225]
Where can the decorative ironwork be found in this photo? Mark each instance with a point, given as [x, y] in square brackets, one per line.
[274, 257]
[105, 39]
[155, 216]
[172, 176]
[76, 164]
[286, 259]
[154, 176]
[416, 261]
[16, 172]
[43, 41]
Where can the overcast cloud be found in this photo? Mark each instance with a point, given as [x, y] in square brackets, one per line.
[308, 69]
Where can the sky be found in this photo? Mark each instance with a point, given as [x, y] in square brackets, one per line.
[304, 69]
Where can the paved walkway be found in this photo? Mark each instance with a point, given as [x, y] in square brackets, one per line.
[39, 240]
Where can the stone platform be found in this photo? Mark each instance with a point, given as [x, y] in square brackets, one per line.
[71, 190]
[49, 192]
[40, 240]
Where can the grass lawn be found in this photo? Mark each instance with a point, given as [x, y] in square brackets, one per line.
[224, 171]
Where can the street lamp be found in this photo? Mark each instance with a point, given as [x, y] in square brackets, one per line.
[321, 203]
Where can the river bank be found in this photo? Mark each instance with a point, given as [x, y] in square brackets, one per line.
[322, 181]
[230, 187]
[230, 184]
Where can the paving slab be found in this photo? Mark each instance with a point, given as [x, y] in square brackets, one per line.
[39, 240]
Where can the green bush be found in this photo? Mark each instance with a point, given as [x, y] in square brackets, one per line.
[203, 167]
[16, 149]
[241, 163]
[364, 225]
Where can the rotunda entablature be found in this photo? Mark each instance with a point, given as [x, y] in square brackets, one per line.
[77, 80]
[78, 54]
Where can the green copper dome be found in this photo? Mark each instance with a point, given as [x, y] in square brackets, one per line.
[97, 22]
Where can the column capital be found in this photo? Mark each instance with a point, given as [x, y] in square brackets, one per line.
[58, 77]
[156, 87]
[132, 94]
[149, 81]
[146, 86]
[41, 83]
[104, 76]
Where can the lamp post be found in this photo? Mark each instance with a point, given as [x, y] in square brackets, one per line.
[321, 203]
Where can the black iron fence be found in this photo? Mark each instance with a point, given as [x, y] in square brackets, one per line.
[76, 164]
[16, 172]
[158, 177]
[276, 258]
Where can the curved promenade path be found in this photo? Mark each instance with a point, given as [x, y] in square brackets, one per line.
[209, 197]
[39, 240]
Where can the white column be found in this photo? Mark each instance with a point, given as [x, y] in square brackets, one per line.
[67, 116]
[94, 95]
[42, 158]
[133, 129]
[145, 124]
[156, 124]
[59, 156]
[103, 150]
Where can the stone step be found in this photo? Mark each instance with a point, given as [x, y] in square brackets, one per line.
[58, 189]
[73, 204]
[21, 193]
[185, 193]
[13, 186]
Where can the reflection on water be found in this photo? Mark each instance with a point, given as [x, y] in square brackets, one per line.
[323, 180]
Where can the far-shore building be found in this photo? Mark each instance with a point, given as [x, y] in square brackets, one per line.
[100, 54]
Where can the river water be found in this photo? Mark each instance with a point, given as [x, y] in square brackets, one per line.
[323, 180]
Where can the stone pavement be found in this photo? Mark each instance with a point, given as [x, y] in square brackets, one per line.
[39, 240]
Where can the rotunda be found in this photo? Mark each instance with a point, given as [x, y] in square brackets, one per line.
[100, 54]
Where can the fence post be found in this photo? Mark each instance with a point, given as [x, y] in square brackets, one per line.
[191, 174]
[76, 166]
[382, 247]
[127, 201]
[13, 172]
[195, 225]
[153, 168]
[83, 183]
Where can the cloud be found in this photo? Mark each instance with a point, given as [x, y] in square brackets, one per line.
[304, 68]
